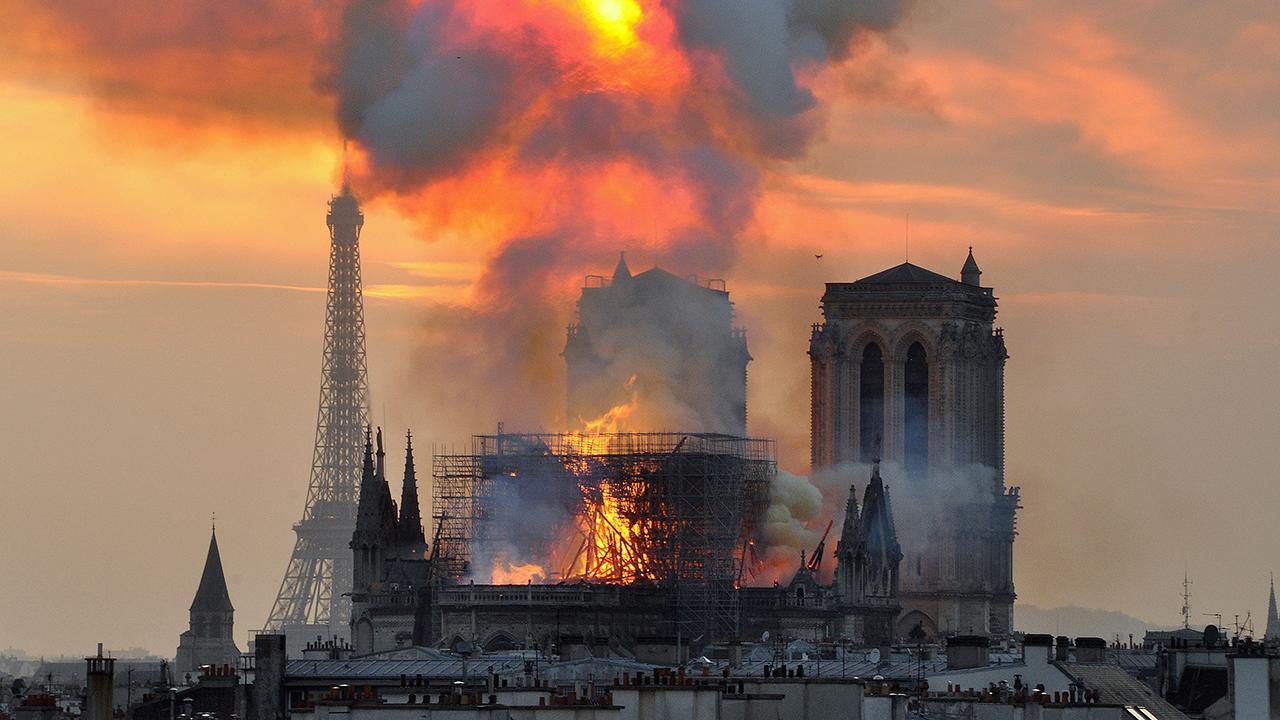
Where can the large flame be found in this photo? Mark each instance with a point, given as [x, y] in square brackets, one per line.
[593, 439]
[610, 548]
[603, 542]
[615, 20]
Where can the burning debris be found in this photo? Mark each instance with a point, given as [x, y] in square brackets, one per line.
[668, 509]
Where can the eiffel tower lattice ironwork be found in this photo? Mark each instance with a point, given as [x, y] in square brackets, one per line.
[314, 596]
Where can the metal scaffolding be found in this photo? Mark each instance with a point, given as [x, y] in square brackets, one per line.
[674, 509]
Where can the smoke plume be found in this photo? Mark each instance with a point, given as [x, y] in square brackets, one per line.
[800, 508]
[577, 128]
[551, 133]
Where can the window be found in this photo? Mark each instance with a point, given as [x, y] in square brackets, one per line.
[915, 404]
[870, 402]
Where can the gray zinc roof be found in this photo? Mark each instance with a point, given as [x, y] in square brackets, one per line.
[904, 273]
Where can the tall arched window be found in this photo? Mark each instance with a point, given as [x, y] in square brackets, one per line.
[870, 401]
[916, 411]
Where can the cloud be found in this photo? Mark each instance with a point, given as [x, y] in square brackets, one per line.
[238, 63]
[380, 291]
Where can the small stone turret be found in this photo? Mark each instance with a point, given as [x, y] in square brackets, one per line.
[971, 274]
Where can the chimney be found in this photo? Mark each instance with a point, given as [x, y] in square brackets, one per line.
[1037, 648]
[659, 650]
[1062, 648]
[268, 679]
[735, 653]
[101, 672]
[1091, 649]
[968, 651]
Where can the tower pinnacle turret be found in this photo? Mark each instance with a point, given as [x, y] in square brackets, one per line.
[971, 274]
[409, 528]
[621, 271]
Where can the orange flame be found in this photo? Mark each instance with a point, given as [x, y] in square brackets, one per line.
[504, 572]
[609, 550]
[604, 546]
[594, 438]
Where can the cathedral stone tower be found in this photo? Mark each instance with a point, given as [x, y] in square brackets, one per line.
[912, 358]
[667, 341]
[208, 640]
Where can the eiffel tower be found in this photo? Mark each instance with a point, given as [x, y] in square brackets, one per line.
[314, 595]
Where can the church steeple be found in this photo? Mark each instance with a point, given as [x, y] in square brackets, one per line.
[849, 530]
[367, 475]
[212, 595]
[1273, 620]
[367, 508]
[409, 527]
[376, 512]
[207, 640]
[877, 520]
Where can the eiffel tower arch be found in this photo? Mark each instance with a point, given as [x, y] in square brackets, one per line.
[314, 595]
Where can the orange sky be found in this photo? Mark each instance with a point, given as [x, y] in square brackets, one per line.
[1116, 168]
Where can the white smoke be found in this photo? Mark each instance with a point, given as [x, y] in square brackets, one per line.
[801, 506]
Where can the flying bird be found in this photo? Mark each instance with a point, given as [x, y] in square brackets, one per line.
[818, 255]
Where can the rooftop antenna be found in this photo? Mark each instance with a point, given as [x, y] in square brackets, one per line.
[906, 242]
[1186, 599]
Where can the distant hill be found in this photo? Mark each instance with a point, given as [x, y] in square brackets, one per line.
[1081, 622]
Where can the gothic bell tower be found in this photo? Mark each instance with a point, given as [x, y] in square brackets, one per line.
[914, 357]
